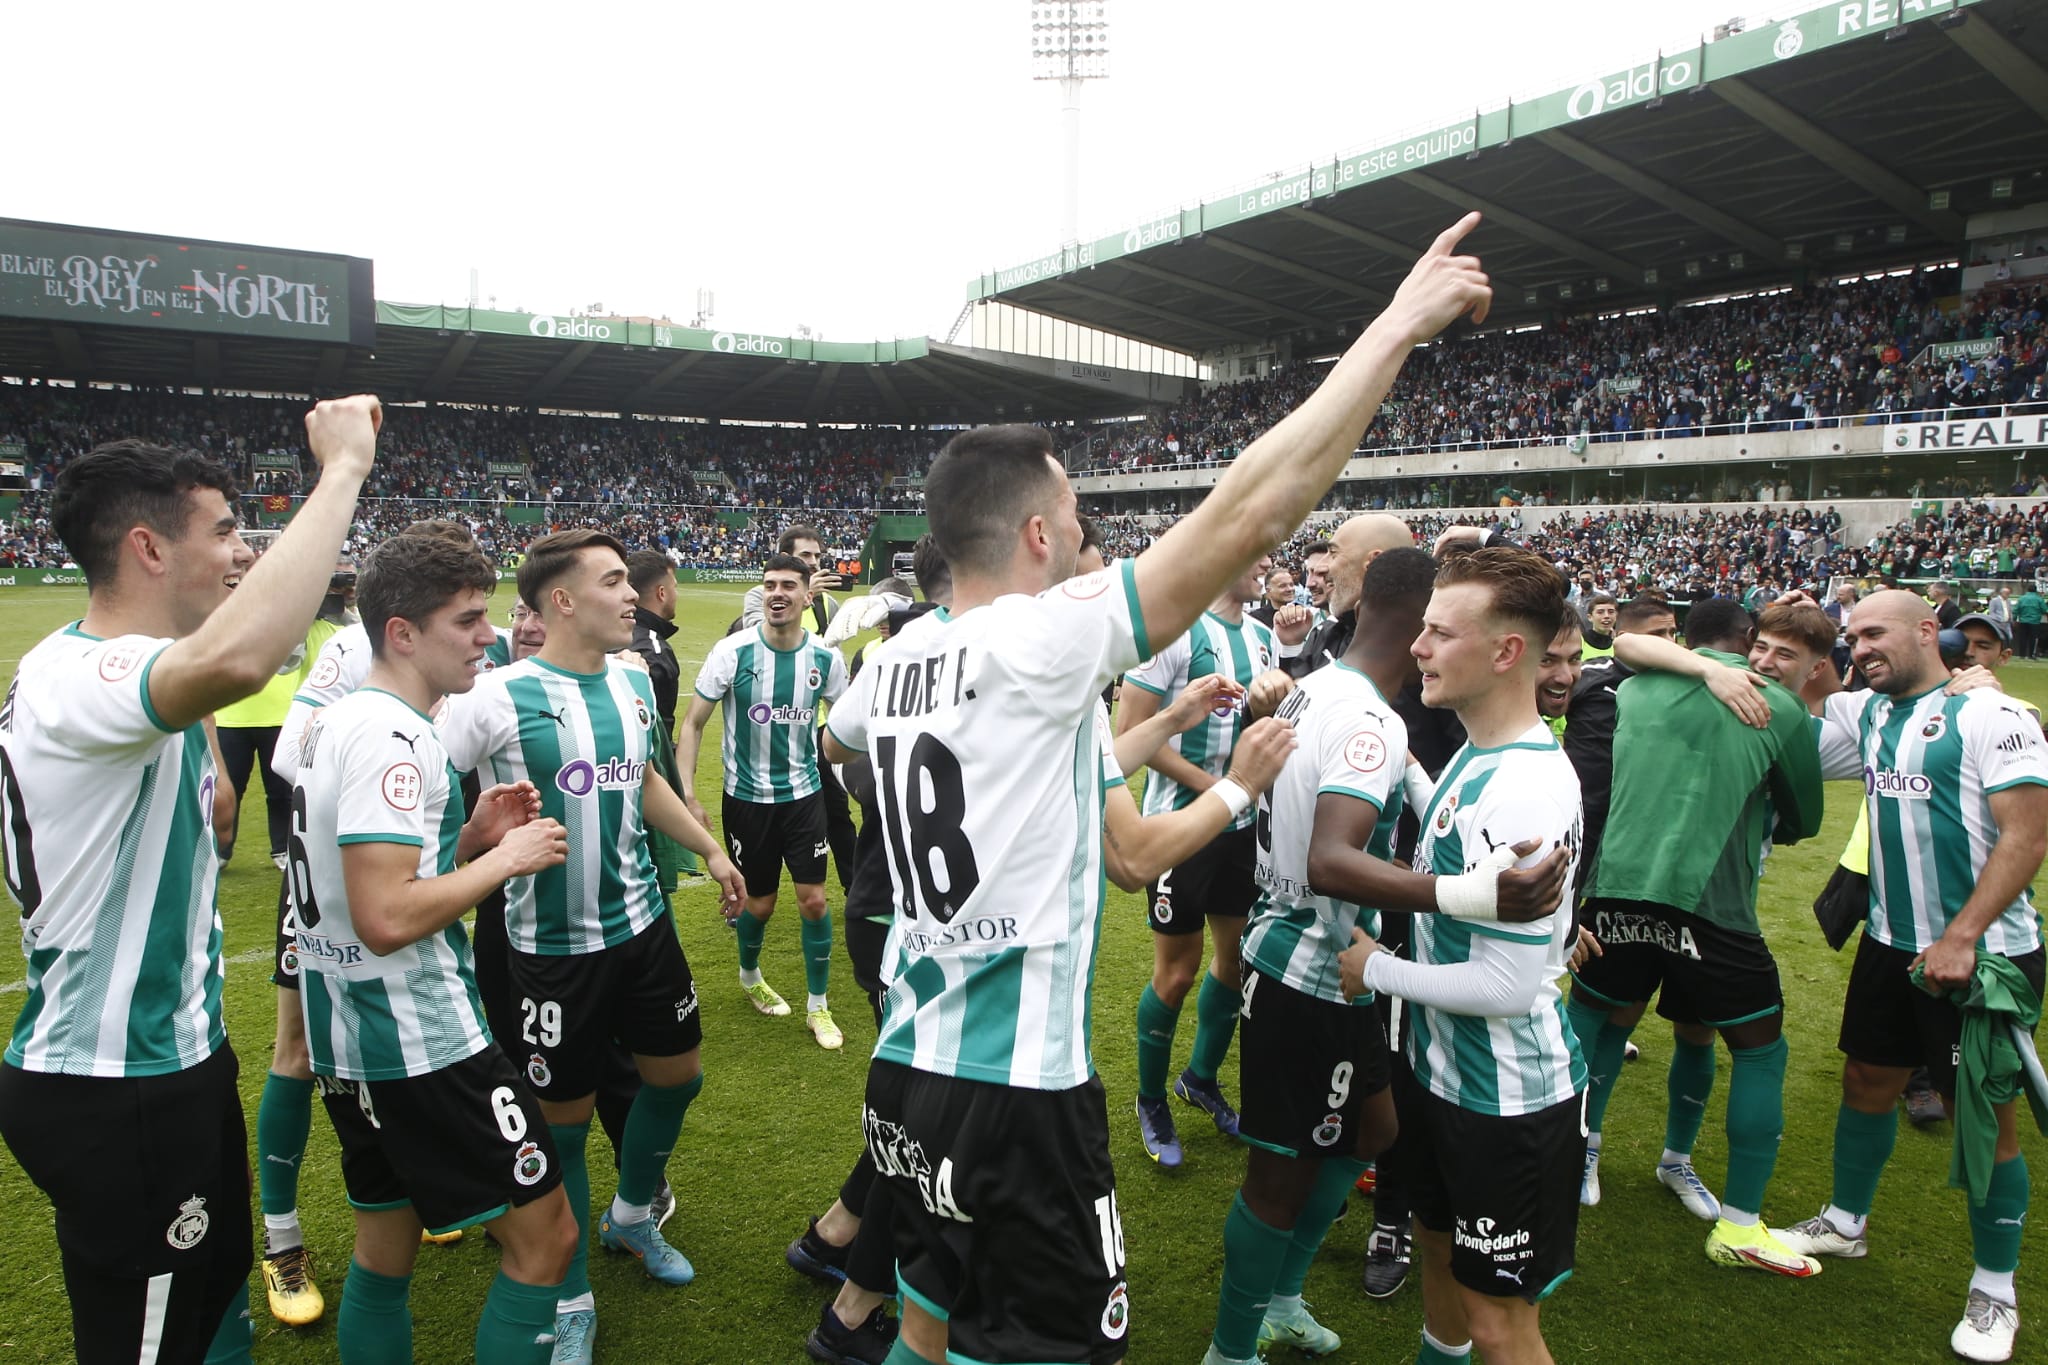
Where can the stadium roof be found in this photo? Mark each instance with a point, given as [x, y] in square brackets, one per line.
[1844, 138]
[92, 305]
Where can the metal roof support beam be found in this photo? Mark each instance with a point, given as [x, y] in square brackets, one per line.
[974, 402]
[821, 391]
[1218, 291]
[2003, 61]
[1335, 283]
[560, 371]
[1399, 250]
[969, 374]
[768, 376]
[878, 375]
[1163, 314]
[451, 365]
[669, 374]
[1744, 235]
[1879, 181]
[1522, 225]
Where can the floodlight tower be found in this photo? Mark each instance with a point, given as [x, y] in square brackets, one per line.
[1070, 44]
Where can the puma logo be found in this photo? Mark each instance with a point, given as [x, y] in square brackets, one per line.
[558, 717]
[408, 740]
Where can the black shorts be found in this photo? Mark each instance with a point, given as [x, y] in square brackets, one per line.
[1219, 878]
[1888, 1021]
[570, 1010]
[1506, 1189]
[461, 1145]
[763, 838]
[1005, 1214]
[284, 969]
[1305, 1067]
[1700, 972]
[150, 1180]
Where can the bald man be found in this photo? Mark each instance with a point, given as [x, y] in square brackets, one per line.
[1957, 799]
[1357, 543]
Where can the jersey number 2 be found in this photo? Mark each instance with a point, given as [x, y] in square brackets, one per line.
[928, 808]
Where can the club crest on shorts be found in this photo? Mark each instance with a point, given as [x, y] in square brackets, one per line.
[1329, 1130]
[1116, 1314]
[289, 963]
[189, 1227]
[529, 1163]
[537, 1072]
[1162, 907]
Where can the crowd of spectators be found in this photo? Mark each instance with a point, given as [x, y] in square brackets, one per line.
[1780, 361]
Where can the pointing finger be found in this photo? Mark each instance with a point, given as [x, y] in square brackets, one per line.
[1452, 235]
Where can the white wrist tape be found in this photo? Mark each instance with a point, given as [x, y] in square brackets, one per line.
[1236, 798]
[1474, 894]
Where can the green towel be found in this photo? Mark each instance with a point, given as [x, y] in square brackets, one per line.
[1999, 1007]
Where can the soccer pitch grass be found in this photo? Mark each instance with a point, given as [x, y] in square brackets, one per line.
[777, 1127]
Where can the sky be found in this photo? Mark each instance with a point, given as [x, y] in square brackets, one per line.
[846, 167]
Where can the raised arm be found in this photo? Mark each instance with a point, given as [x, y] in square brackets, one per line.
[239, 649]
[1738, 689]
[1268, 491]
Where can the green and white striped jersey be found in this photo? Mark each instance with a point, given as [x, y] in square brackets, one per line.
[106, 826]
[584, 740]
[1350, 744]
[338, 670]
[375, 773]
[989, 777]
[1240, 652]
[1487, 798]
[1930, 764]
[771, 698]
[498, 654]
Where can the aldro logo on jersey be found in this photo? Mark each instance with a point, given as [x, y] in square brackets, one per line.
[1895, 784]
[761, 713]
[614, 774]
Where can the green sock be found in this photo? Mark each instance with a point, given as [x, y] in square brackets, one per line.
[284, 1118]
[235, 1337]
[1863, 1143]
[1687, 1085]
[817, 937]
[1252, 1254]
[1603, 1043]
[374, 1326]
[1434, 1352]
[901, 1354]
[750, 931]
[518, 1322]
[1756, 1121]
[1157, 1021]
[1333, 1186]
[652, 1126]
[570, 1140]
[1216, 1007]
[1996, 1224]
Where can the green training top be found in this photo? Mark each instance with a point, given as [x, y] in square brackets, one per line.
[1687, 823]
